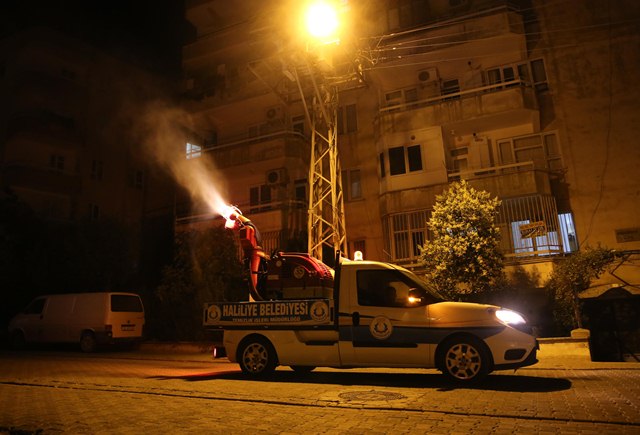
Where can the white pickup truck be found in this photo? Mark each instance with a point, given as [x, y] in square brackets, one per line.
[375, 315]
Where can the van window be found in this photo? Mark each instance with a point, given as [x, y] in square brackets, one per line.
[126, 303]
[35, 307]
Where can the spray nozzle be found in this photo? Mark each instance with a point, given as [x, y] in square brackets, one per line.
[231, 213]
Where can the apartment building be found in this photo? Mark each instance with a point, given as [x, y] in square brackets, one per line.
[532, 101]
[68, 148]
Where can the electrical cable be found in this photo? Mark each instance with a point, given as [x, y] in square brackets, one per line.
[607, 143]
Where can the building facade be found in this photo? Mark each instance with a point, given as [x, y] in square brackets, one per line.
[532, 101]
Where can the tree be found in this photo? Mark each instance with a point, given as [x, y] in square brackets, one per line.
[463, 257]
[205, 268]
[573, 275]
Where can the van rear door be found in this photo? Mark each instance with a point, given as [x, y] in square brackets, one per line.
[126, 316]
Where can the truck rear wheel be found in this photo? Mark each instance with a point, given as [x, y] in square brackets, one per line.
[257, 357]
[464, 359]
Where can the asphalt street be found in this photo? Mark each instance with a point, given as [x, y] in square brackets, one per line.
[185, 391]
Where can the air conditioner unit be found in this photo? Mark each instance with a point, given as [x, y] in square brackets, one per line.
[275, 113]
[276, 176]
[428, 75]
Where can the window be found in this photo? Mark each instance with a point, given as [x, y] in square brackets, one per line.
[415, 158]
[531, 73]
[450, 87]
[94, 212]
[401, 158]
[96, 170]
[530, 226]
[405, 234]
[126, 304]
[501, 75]
[301, 193]
[382, 170]
[297, 124]
[260, 198]
[401, 99]
[193, 151]
[541, 149]
[351, 184]
[396, 161]
[347, 119]
[382, 288]
[539, 75]
[56, 162]
[568, 232]
[35, 307]
[393, 98]
[390, 288]
[136, 179]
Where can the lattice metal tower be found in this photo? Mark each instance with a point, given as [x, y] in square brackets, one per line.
[326, 224]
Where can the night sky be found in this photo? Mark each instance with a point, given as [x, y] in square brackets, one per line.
[148, 32]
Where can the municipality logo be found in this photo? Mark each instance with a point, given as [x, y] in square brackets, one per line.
[319, 311]
[213, 313]
[381, 328]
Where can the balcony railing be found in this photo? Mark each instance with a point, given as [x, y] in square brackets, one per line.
[245, 149]
[523, 97]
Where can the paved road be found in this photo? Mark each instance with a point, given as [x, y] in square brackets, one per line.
[69, 392]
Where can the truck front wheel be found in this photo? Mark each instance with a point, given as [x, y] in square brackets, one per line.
[257, 357]
[464, 359]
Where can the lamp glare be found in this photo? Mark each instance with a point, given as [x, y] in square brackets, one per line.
[322, 20]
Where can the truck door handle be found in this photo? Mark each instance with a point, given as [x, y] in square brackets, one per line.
[355, 316]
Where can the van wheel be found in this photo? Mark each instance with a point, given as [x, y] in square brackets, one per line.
[302, 369]
[464, 360]
[18, 340]
[88, 342]
[257, 357]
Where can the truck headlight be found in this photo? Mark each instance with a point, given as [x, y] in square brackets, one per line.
[510, 317]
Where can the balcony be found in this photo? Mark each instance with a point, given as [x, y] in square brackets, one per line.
[43, 127]
[39, 179]
[30, 85]
[494, 105]
[507, 181]
[260, 148]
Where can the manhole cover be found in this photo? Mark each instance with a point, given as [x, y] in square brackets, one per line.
[370, 396]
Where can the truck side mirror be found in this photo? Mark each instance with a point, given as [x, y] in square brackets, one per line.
[415, 296]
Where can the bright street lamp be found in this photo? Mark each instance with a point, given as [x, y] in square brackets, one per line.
[321, 21]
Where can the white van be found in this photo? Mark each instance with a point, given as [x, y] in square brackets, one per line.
[86, 318]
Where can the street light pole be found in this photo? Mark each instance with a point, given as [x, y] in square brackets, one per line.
[326, 225]
[326, 221]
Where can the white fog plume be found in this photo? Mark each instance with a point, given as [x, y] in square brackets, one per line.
[165, 140]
